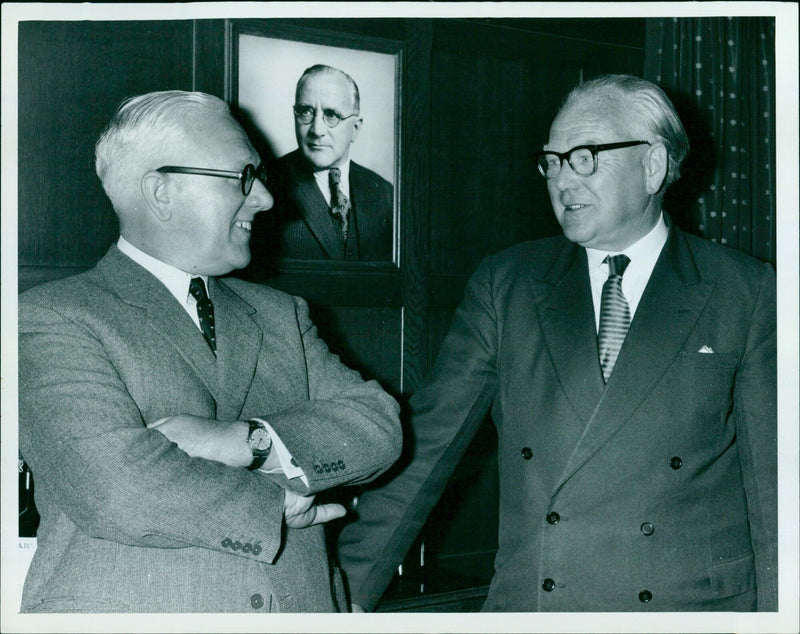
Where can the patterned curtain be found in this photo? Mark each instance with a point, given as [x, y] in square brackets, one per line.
[720, 73]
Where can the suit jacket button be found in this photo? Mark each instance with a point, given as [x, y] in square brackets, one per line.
[257, 601]
[527, 453]
[553, 518]
[675, 462]
[226, 543]
[645, 596]
[236, 545]
[256, 550]
[340, 463]
[548, 585]
[247, 548]
[647, 529]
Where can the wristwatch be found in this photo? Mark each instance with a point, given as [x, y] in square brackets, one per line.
[260, 443]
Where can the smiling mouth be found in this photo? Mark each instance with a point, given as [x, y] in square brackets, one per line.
[244, 224]
[574, 207]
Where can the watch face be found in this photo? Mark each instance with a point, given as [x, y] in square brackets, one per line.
[260, 440]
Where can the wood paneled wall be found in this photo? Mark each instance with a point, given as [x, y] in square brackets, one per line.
[477, 100]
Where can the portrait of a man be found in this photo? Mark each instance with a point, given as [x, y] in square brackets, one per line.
[330, 207]
[327, 117]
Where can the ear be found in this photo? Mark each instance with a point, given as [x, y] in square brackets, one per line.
[356, 129]
[655, 167]
[154, 191]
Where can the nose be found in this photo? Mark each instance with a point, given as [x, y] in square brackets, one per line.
[259, 198]
[317, 125]
[567, 178]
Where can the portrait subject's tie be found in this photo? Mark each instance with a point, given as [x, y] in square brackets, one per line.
[340, 205]
[205, 311]
[615, 314]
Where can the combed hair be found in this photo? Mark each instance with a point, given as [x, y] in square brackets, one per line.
[318, 69]
[141, 127]
[648, 105]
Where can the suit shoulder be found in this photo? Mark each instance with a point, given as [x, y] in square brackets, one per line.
[80, 289]
[531, 253]
[719, 261]
[260, 295]
[357, 170]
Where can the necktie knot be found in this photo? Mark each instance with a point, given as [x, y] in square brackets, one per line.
[198, 289]
[335, 176]
[617, 264]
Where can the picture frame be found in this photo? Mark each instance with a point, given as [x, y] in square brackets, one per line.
[264, 61]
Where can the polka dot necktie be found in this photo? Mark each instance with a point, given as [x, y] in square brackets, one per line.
[615, 314]
[205, 311]
[340, 205]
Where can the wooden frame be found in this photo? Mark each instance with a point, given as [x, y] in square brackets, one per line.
[264, 60]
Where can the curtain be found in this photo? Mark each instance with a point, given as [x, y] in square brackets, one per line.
[720, 73]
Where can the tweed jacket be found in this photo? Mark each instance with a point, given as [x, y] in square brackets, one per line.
[307, 227]
[655, 491]
[130, 522]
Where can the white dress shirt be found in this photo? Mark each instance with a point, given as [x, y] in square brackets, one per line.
[177, 282]
[324, 183]
[643, 255]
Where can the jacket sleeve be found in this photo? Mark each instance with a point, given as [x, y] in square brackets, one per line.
[96, 463]
[755, 415]
[347, 431]
[445, 414]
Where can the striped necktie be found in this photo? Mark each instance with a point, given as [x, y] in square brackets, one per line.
[205, 311]
[340, 205]
[615, 315]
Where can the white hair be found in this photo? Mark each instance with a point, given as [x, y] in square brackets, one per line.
[144, 127]
[646, 105]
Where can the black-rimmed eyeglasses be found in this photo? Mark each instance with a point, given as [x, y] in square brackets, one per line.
[305, 115]
[246, 177]
[582, 159]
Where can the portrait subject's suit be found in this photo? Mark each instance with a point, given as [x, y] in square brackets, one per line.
[310, 232]
[129, 521]
[655, 491]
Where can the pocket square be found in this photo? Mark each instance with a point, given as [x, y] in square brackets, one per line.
[706, 350]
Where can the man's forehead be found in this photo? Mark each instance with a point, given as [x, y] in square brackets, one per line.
[588, 122]
[325, 86]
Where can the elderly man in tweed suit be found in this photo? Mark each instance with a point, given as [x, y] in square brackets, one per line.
[178, 424]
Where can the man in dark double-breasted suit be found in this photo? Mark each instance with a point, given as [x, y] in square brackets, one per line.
[630, 370]
[327, 207]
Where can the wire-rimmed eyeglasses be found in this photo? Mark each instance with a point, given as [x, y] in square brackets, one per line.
[246, 177]
[305, 115]
[582, 159]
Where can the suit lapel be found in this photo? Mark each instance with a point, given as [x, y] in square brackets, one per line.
[673, 301]
[238, 346]
[161, 313]
[566, 318]
[307, 197]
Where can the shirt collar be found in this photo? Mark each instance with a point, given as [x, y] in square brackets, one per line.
[323, 182]
[176, 280]
[643, 249]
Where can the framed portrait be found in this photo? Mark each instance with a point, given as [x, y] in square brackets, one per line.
[333, 167]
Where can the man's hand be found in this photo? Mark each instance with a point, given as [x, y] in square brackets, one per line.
[207, 438]
[301, 512]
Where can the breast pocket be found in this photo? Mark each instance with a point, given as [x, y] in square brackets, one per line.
[709, 361]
